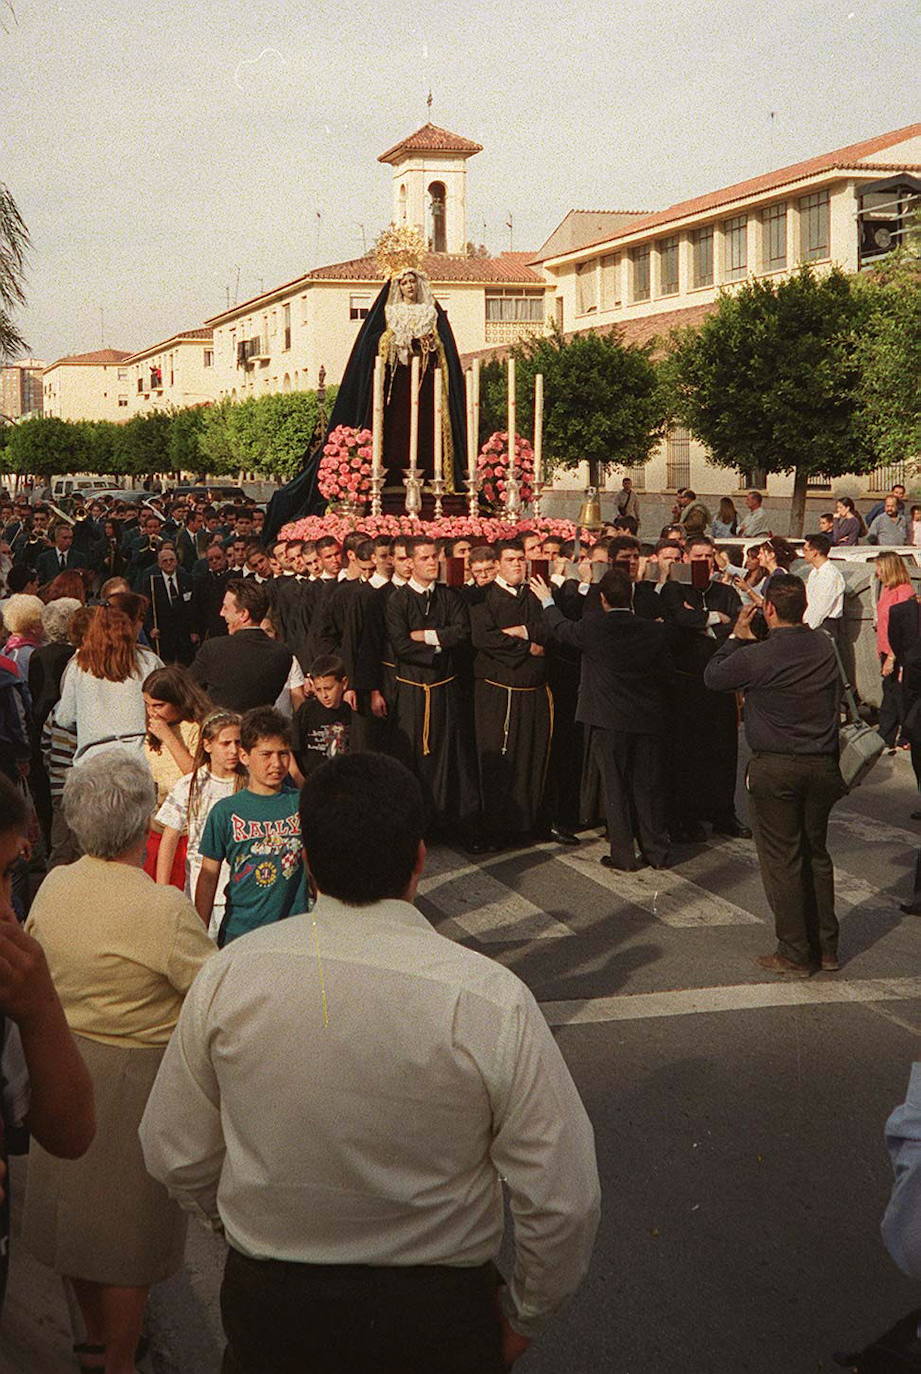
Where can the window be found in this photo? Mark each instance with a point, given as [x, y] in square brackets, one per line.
[813, 226]
[641, 273]
[702, 244]
[514, 305]
[248, 349]
[123, 400]
[610, 281]
[735, 238]
[677, 458]
[668, 267]
[774, 237]
[123, 375]
[359, 307]
[140, 384]
[586, 288]
[287, 324]
[209, 357]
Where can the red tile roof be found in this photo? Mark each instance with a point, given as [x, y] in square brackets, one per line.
[431, 139]
[641, 330]
[444, 267]
[854, 155]
[206, 332]
[99, 358]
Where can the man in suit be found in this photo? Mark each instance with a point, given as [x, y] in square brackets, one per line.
[244, 668]
[209, 583]
[32, 540]
[626, 671]
[169, 622]
[188, 541]
[61, 558]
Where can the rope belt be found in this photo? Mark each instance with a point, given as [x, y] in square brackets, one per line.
[508, 689]
[427, 714]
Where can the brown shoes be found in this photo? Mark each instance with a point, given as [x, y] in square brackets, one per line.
[776, 963]
[829, 964]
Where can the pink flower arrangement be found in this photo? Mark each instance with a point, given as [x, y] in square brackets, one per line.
[480, 529]
[492, 468]
[345, 468]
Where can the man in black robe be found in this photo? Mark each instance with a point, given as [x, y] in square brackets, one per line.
[426, 622]
[513, 705]
[706, 724]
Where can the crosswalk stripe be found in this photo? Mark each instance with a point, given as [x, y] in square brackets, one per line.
[863, 827]
[850, 890]
[471, 901]
[665, 893]
[738, 997]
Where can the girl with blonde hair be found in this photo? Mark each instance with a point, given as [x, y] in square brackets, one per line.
[895, 586]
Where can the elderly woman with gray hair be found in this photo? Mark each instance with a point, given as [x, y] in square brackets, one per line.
[123, 953]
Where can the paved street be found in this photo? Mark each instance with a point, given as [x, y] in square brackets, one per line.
[738, 1118]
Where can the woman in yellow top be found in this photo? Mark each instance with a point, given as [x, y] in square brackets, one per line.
[122, 953]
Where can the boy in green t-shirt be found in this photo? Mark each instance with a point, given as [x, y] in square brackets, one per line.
[258, 832]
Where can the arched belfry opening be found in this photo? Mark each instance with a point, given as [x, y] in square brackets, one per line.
[438, 234]
[402, 204]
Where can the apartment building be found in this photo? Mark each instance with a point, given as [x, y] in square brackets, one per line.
[177, 372]
[87, 386]
[21, 389]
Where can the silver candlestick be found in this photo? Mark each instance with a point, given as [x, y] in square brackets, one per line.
[413, 484]
[437, 487]
[377, 486]
[537, 488]
[512, 495]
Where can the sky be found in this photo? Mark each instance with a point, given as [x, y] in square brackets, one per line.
[166, 155]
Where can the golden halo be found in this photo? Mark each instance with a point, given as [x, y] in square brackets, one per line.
[397, 247]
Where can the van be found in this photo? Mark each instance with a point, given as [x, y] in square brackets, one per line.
[62, 487]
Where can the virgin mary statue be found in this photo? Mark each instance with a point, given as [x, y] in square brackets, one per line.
[404, 321]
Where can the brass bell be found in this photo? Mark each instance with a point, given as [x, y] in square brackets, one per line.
[589, 517]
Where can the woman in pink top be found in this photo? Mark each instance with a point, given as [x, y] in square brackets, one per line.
[895, 586]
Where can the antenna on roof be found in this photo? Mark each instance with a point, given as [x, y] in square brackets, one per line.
[316, 253]
[102, 327]
[429, 102]
[509, 224]
[236, 288]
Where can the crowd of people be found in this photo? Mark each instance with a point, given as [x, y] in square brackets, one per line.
[207, 744]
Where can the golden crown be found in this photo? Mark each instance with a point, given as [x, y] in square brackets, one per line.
[397, 247]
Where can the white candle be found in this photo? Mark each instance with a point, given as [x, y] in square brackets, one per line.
[476, 411]
[539, 427]
[471, 447]
[512, 456]
[437, 422]
[414, 412]
[377, 421]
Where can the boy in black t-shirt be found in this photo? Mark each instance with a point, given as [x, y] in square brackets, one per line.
[322, 723]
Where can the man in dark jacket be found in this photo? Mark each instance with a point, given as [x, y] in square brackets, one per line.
[626, 670]
[244, 668]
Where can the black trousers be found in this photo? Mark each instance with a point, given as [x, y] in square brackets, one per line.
[634, 795]
[790, 797]
[282, 1318]
[890, 710]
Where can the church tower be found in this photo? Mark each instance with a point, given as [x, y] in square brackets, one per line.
[430, 185]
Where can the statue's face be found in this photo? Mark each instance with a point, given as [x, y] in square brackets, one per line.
[408, 288]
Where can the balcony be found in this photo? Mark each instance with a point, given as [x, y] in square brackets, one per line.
[250, 351]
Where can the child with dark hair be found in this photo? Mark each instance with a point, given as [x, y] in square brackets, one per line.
[258, 833]
[321, 725]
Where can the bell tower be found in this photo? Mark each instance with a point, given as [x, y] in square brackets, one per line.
[430, 185]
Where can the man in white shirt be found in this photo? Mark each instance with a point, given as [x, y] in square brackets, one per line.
[755, 523]
[825, 587]
[344, 1094]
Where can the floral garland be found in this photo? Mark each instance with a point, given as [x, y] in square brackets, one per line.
[481, 529]
[492, 468]
[345, 468]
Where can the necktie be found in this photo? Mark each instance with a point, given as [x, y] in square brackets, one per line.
[427, 601]
[62, 560]
[170, 590]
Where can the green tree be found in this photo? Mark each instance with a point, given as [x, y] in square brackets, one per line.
[602, 400]
[888, 350]
[142, 445]
[14, 243]
[46, 447]
[184, 446]
[270, 435]
[770, 380]
[99, 439]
